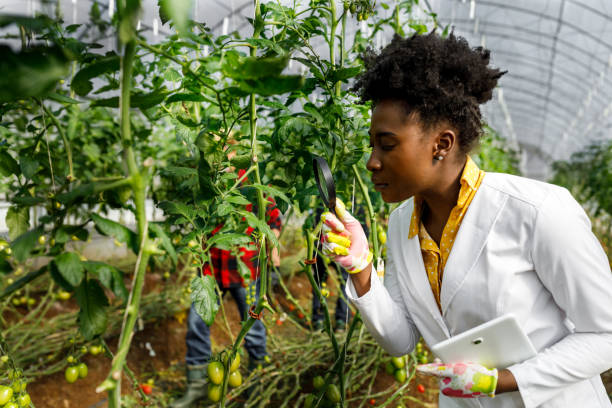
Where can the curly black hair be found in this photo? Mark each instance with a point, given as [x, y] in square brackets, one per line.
[438, 78]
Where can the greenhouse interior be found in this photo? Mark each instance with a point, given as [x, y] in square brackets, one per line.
[305, 203]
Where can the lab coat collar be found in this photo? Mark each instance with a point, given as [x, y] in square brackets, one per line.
[471, 239]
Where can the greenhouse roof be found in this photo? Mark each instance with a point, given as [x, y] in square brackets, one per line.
[555, 98]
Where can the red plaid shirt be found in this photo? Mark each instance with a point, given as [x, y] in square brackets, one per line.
[224, 263]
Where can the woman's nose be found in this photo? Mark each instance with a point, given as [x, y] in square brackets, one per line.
[373, 163]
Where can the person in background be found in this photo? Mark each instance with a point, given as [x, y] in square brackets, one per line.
[225, 271]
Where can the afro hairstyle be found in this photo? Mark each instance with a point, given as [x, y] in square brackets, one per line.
[440, 79]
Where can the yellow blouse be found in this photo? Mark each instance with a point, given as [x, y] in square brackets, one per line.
[435, 257]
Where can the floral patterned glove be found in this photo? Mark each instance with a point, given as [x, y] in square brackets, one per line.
[344, 240]
[463, 380]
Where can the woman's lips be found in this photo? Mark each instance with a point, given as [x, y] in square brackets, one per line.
[380, 186]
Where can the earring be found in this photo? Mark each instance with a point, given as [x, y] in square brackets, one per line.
[439, 157]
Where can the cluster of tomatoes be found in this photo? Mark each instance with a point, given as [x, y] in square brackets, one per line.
[422, 355]
[216, 371]
[15, 395]
[332, 394]
[362, 9]
[396, 366]
[76, 369]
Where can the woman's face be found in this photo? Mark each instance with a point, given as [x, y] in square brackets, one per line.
[402, 160]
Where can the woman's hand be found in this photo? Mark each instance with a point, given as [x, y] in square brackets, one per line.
[463, 380]
[344, 240]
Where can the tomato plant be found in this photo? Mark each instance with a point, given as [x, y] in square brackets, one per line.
[95, 132]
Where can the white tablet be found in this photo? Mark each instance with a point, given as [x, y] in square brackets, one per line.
[498, 343]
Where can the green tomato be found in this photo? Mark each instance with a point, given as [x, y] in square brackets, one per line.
[11, 405]
[214, 392]
[398, 362]
[215, 373]
[389, 368]
[400, 375]
[82, 370]
[309, 401]
[333, 394]
[71, 374]
[5, 394]
[95, 350]
[18, 386]
[318, 382]
[235, 379]
[235, 362]
[24, 400]
[423, 360]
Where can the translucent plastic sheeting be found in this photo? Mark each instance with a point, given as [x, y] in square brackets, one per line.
[555, 99]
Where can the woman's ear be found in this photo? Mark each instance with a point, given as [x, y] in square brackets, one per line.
[444, 141]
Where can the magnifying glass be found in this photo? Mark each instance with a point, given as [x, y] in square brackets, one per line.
[325, 182]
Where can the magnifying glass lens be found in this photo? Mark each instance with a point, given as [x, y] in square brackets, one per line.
[323, 189]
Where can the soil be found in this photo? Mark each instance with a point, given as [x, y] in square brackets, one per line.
[166, 368]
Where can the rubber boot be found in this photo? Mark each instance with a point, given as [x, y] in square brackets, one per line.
[197, 387]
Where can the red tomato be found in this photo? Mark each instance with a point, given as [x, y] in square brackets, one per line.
[291, 307]
[300, 315]
[372, 401]
[421, 388]
[279, 322]
[146, 388]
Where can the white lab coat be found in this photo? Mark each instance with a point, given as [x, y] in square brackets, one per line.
[524, 247]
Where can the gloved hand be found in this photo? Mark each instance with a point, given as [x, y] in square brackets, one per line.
[463, 380]
[344, 240]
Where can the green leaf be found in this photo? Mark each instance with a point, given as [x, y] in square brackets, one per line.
[25, 243]
[92, 315]
[178, 11]
[343, 74]
[260, 225]
[185, 97]
[205, 177]
[227, 240]
[272, 85]
[179, 171]
[166, 242]
[70, 267]
[62, 98]
[238, 67]
[137, 100]
[113, 229]
[237, 199]
[29, 23]
[204, 298]
[80, 191]
[110, 277]
[8, 165]
[177, 208]
[30, 73]
[17, 221]
[27, 200]
[224, 208]
[243, 270]
[81, 83]
[271, 191]
[29, 167]
[66, 232]
[241, 161]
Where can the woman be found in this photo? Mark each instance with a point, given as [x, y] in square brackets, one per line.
[467, 246]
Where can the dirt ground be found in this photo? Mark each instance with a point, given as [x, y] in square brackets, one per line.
[166, 340]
